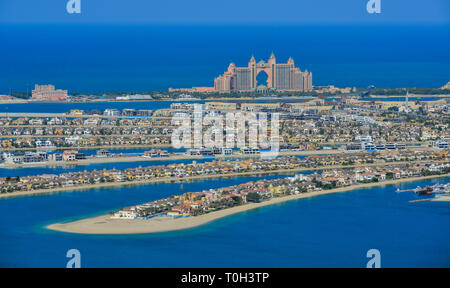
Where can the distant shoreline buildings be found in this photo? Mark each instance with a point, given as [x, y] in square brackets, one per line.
[134, 97]
[278, 76]
[48, 92]
[446, 86]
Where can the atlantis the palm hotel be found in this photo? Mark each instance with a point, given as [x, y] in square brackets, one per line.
[278, 76]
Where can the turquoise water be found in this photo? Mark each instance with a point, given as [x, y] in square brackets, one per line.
[326, 231]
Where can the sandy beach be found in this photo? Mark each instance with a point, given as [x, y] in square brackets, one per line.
[441, 199]
[105, 225]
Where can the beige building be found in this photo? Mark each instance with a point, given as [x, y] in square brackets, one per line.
[221, 105]
[48, 92]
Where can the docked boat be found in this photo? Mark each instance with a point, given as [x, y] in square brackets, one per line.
[424, 191]
[441, 188]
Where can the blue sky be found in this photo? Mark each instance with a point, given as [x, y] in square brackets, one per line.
[226, 12]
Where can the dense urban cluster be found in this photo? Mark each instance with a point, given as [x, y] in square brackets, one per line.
[310, 125]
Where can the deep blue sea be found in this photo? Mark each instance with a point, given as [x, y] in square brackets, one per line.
[326, 231]
[136, 58]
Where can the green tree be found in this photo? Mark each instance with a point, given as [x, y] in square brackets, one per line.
[253, 197]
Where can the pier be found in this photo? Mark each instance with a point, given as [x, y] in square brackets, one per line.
[420, 200]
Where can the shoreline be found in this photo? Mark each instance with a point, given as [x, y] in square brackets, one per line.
[176, 156]
[197, 177]
[439, 200]
[412, 96]
[106, 226]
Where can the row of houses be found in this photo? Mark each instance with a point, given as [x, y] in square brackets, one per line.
[95, 120]
[86, 129]
[79, 141]
[41, 156]
[206, 201]
[211, 168]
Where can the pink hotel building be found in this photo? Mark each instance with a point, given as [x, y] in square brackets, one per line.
[280, 76]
